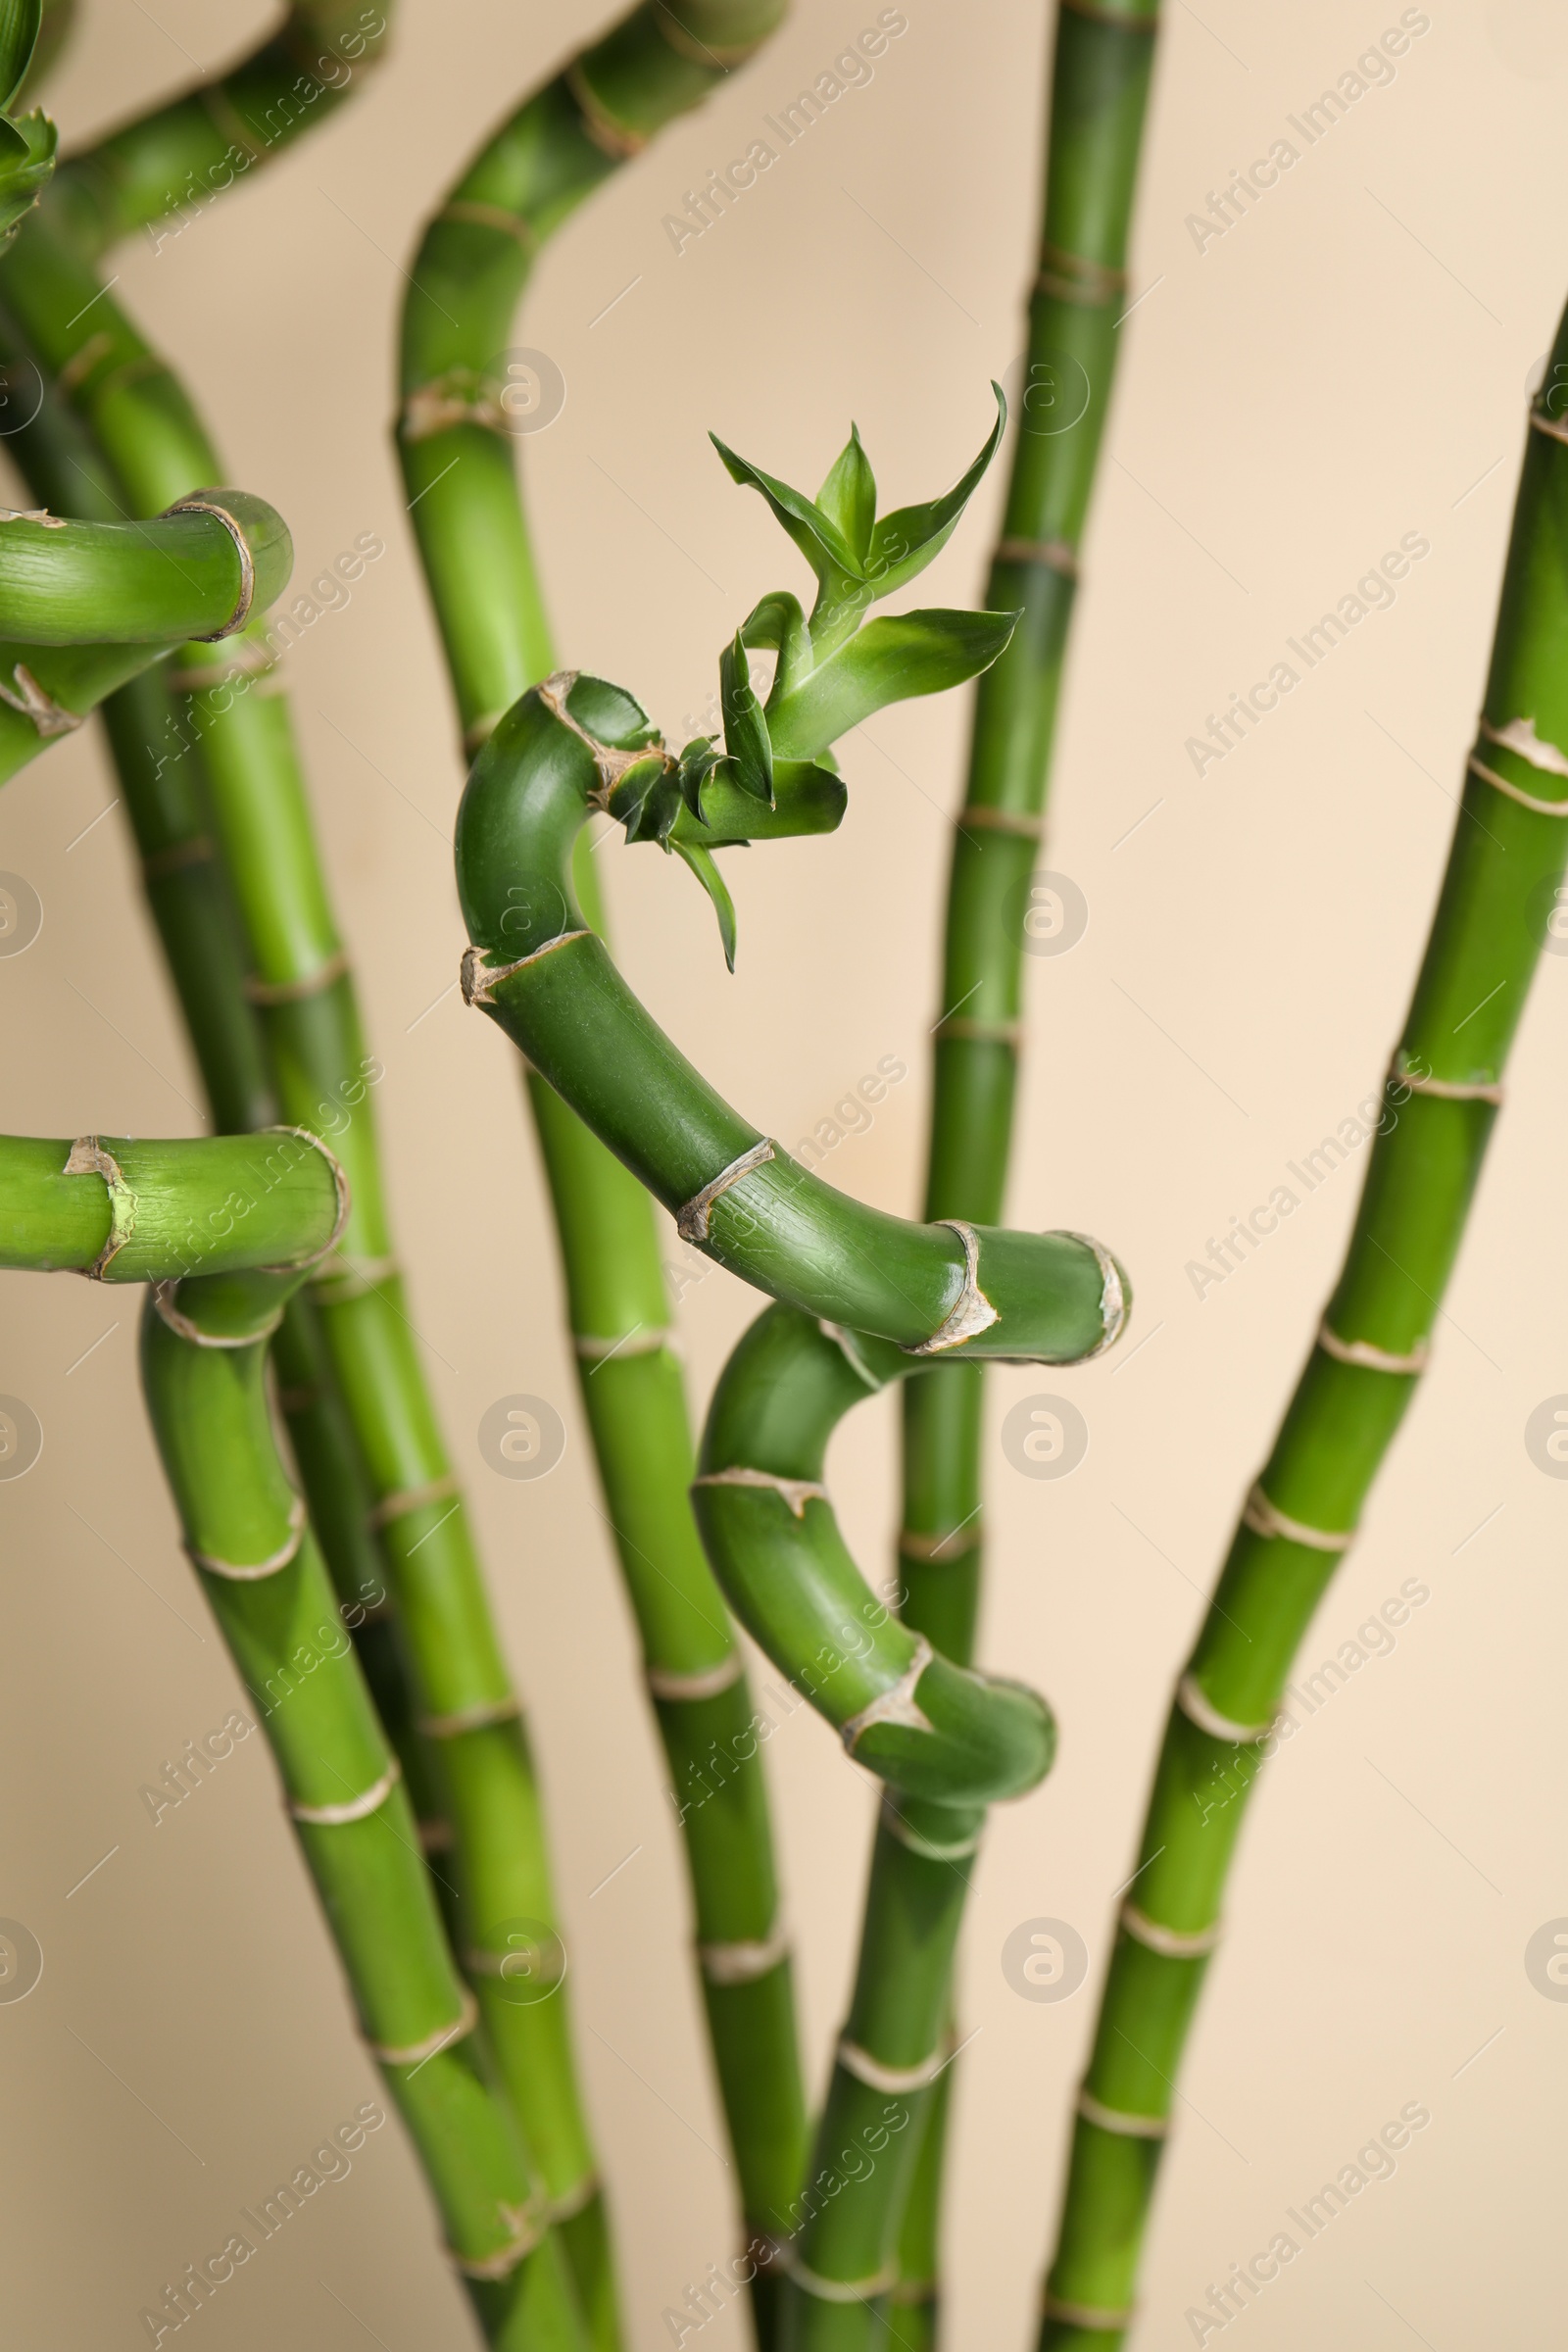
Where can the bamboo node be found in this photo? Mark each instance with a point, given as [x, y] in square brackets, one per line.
[1261, 1516]
[692, 1221]
[1000, 821]
[1370, 1357]
[1445, 1090]
[501, 2265]
[573, 2200]
[668, 1683]
[1094, 2317]
[614, 139]
[250, 1572]
[797, 1492]
[590, 1349]
[1116, 2118]
[203, 502]
[181, 1325]
[1195, 1704]
[340, 1187]
[410, 1498]
[1519, 735]
[349, 1277]
[472, 214]
[249, 659]
[49, 717]
[897, 1705]
[87, 1158]
[480, 980]
[955, 1545]
[1171, 1944]
[1526, 799]
[973, 1311]
[834, 2291]
[844, 1341]
[1114, 1305]
[742, 1963]
[1050, 554]
[478, 1718]
[353, 1808]
[897, 2080]
[930, 1850]
[416, 2052]
[981, 1033]
[298, 991]
[196, 850]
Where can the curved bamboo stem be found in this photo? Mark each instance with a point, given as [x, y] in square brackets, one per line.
[467, 279]
[1440, 1100]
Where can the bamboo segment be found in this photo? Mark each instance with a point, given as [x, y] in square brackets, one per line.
[1100, 80]
[1440, 1100]
[204, 1348]
[146, 429]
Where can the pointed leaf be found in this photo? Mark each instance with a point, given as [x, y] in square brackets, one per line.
[697, 763]
[816, 534]
[713, 881]
[745, 736]
[778, 626]
[19, 23]
[890, 661]
[647, 799]
[904, 542]
[848, 495]
[609, 713]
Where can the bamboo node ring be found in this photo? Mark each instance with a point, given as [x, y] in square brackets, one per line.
[896, 1705]
[1171, 1944]
[668, 1683]
[897, 2080]
[973, 1311]
[204, 503]
[415, 2053]
[250, 1572]
[1116, 2118]
[1370, 1357]
[1265, 1519]
[353, 1808]
[692, 1221]
[1195, 1704]
[481, 979]
[742, 1963]
[87, 1158]
[49, 717]
[796, 1492]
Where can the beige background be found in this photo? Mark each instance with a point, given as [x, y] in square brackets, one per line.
[1346, 365]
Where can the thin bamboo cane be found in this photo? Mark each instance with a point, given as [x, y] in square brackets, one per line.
[145, 426]
[1100, 77]
[466, 502]
[204, 1349]
[1441, 1098]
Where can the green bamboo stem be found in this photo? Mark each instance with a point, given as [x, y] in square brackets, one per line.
[454, 428]
[145, 427]
[948, 1742]
[204, 1348]
[120, 1210]
[467, 279]
[168, 163]
[1100, 77]
[1441, 1098]
[538, 971]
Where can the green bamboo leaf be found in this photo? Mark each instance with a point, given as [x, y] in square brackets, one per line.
[848, 495]
[696, 764]
[778, 626]
[746, 736]
[905, 541]
[27, 163]
[647, 799]
[816, 534]
[610, 714]
[889, 660]
[19, 22]
[807, 798]
[701, 861]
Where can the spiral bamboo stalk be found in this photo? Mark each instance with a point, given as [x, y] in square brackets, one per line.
[947, 1741]
[146, 429]
[1441, 1098]
[465, 501]
[1100, 77]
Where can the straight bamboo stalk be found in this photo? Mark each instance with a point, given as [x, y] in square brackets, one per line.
[465, 501]
[1099, 78]
[1441, 1098]
[149, 433]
